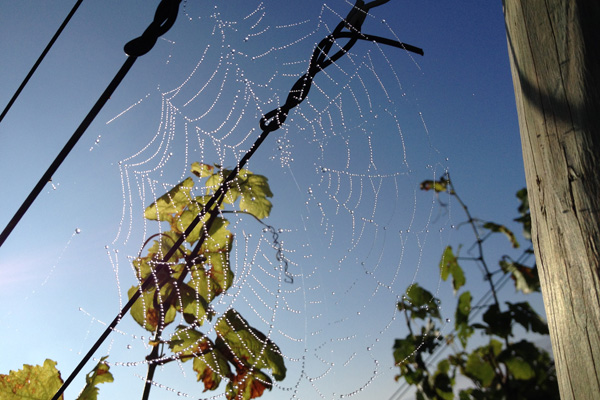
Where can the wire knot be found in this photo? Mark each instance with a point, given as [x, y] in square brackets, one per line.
[164, 18]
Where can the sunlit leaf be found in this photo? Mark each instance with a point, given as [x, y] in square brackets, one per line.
[210, 368]
[526, 278]
[449, 266]
[192, 304]
[170, 203]
[202, 170]
[494, 227]
[251, 346]
[39, 382]
[519, 368]
[219, 272]
[144, 313]
[187, 342]
[440, 185]
[100, 374]
[255, 191]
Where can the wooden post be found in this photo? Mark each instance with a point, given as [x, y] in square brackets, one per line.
[554, 50]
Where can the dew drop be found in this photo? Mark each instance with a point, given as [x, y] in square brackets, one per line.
[447, 319]
[78, 231]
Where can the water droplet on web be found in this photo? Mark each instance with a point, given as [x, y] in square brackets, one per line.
[128, 346]
[447, 319]
[78, 231]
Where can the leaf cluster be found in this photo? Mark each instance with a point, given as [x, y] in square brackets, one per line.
[195, 275]
[500, 369]
[41, 382]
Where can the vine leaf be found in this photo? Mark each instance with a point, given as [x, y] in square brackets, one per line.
[172, 202]
[463, 309]
[499, 323]
[100, 374]
[38, 382]
[449, 266]
[526, 278]
[209, 364]
[479, 363]
[420, 303]
[255, 190]
[211, 368]
[248, 385]
[494, 227]
[438, 186]
[143, 311]
[252, 347]
[524, 315]
[202, 170]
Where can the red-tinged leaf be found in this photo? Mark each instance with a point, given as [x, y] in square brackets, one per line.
[494, 227]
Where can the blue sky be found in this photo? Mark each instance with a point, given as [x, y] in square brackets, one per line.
[452, 109]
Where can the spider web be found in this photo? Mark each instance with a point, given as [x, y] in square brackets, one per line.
[349, 223]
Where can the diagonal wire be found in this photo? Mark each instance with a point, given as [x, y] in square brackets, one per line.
[164, 18]
[39, 60]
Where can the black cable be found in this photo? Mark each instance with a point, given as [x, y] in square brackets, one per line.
[66, 149]
[39, 60]
[164, 18]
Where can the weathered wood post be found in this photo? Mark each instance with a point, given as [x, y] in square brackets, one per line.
[554, 50]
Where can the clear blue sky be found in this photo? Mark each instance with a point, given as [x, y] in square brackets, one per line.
[55, 285]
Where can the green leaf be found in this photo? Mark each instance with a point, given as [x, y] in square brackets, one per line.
[187, 342]
[479, 367]
[143, 311]
[100, 374]
[219, 272]
[461, 318]
[255, 191]
[219, 238]
[192, 304]
[525, 218]
[499, 323]
[202, 170]
[526, 316]
[449, 266]
[249, 345]
[170, 203]
[439, 186]
[31, 382]
[404, 351]
[519, 368]
[526, 279]
[210, 368]
[420, 303]
[494, 227]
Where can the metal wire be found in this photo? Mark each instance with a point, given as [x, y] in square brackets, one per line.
[39, 60]
[164, 18]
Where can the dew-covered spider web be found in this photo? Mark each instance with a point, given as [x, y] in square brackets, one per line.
[349, 229]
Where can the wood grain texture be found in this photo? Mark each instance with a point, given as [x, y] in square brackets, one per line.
[554, 50]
